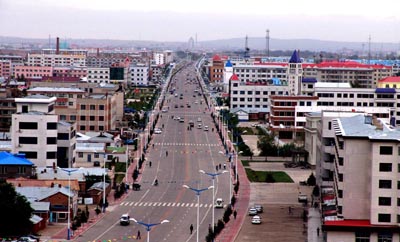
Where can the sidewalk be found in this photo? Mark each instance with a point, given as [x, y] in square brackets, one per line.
[314, 222]
[232, 228]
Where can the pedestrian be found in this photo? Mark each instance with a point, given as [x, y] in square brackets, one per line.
[234, 214]
[166, 153]
[219, 166]
[191, 228]
[138, 235]
[150, 163]
[153, 145]
[216, 167]
[290, 210]
[224, 166]
[318, 231]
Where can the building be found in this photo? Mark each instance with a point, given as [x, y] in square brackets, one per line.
[7, 108]
[365, 174]
[13, 166]
[139, 75]
[216, 69]
[35, 115]
[5, 68]
[98, 74]
[70, 71]
[33, 71]
[66, 144]
[389, 82]
[52, 60]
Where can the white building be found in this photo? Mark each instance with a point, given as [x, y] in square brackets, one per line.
[158, 58]
[66, 142]
[139, 75]
[34, 129]
[56, 60]
[98, 75]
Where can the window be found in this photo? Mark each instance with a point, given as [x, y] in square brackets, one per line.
[385, 236]
[92, 118]
[340, 176]
[329, 125]
[83, 106]
[51, 140]
[28, 125]
[92, 107]
[101, 118]
[51, 126]
[340, 193]
[29, 154]
[83, 118]
[51, 155]
[386, 184]
[362, 236]
[385, 167]
[72, 117]
[383, 218]
[91, 127]
[80, 154]
[386, 150]
[96, 155]
[27, 140]
[385, 201]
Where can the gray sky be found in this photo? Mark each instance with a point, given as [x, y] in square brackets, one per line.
[178, 20]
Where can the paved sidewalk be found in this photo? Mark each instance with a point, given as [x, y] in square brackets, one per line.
[314, 222]
[232, 228]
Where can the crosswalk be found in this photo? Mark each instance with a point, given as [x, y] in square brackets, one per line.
[186, 144]
[164, 204]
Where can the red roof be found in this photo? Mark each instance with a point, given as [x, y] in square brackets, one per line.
[390, 79]
[349, 223]
[216, 58]
[234, 77]
[347, 64]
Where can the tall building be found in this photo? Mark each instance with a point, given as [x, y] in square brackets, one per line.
[139, 75]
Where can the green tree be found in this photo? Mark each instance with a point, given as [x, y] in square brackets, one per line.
[15, 211]
[266, 143]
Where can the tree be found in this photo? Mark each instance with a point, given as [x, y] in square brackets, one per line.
[15, 211]
[311, 181]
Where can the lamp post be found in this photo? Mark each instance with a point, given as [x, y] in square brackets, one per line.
[198, 192]
[148, 226]
[213, 175]
[69, 171]
[236, 164]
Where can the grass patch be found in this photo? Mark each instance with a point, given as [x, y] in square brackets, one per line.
[246, 163]
[268, 176]
[120, 167]
[119, 177]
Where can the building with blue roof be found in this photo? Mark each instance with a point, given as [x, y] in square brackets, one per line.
[15, 165]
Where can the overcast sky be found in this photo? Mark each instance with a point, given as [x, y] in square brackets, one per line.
[178, 20]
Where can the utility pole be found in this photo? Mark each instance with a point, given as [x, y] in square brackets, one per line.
[369, 49]
[267, 43]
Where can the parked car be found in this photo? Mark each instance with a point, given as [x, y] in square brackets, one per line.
[157, 131]
[252, 211]
[125, 219]
[256, 220]
[206, 128]
[259, 208]
[27, 239]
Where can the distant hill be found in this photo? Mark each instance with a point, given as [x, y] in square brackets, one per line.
[254, 43]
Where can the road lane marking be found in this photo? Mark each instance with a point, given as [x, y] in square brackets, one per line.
[164, 204]
[136, 203]
[173, 205]
[145, 204]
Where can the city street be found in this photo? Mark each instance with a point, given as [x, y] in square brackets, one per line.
[176, 155]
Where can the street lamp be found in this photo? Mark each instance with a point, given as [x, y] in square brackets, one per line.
[198, 192]
[148, 226]
[69, 171]
[213, 175]
[236, 164]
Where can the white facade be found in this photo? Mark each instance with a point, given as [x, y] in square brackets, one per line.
[139, 75]
[98, 75]
[158, 58]
[66, 142]
[56, 60]
[34, 129]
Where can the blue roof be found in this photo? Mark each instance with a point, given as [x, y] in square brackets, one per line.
[228, 63]
[309, 80]
[295, 57]
[10, 159]
[385, 90]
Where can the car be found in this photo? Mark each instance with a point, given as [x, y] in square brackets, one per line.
[177, 118]
[157, 131]
[182, 120]
[259, 208]
[191, 123]
[176, 106]
[199, 120]
[196, 102]
[252, 211]
[164, 110]
[182, 106]
[199, 126]
[219, 203]
[256, 220]
[206, 128]
[125, 219]
[176, 94]
[27, 239]
[302, 198]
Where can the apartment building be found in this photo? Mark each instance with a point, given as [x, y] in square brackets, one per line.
[66, 144]
[5, 68]
[7, 108]
[104, 60]
[34, 129]
[216, 69]
[52, 60]
[164, 57]
[92, 111]
[33, 71]
[365, 174]
[69, 71]
[98, 74]
[139, 74]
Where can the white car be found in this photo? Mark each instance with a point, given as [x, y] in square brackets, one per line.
[125, 219]
[219, 203]
[206, 128]
[157, 131]
[252, 211]
[177, 118]
[256, 220]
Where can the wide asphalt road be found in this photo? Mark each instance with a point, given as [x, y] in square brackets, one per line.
[188, 152]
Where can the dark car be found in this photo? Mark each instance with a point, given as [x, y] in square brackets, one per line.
[259, 208]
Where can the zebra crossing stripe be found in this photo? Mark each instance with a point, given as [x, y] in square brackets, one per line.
[145, 204]
[164, 204]
[150, 204]
[159, 204]
[140, 204]
[205, 205]
[173, 205]
[183, 204]
[201, 205]
[169, 204]
[131, 203]
[136, 203]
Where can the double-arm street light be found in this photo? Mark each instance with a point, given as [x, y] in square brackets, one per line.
[148, 226]
[69, 171]
[213, 175]
[198, 192]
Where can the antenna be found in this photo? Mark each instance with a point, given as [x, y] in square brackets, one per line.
[246, 48]
[267, 43]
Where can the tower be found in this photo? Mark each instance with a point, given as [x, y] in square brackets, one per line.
[228, 72]
[295, 74]
[267, 43]
[246, 49]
